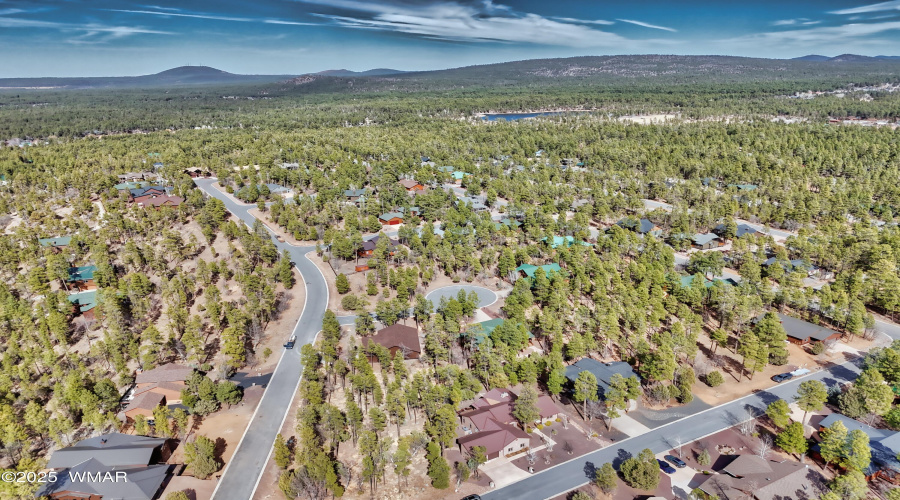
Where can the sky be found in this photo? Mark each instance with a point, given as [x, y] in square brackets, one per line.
[136, 37]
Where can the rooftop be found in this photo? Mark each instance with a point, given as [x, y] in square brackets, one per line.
[396, 335]
[603, 371]
[85, 301]
[530, 269]
[112, 450]
[82, 273]
[169, 372]
[59, 241]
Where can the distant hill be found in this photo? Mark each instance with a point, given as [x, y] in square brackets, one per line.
[371, 72]
[180, 76]
[845, 58]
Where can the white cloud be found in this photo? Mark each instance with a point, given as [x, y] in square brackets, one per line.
[178, 14]
[819, 35]
[785, 22]
[875, 7]
[86, 30]
[583, 21]
[647, 25]
[454, 21]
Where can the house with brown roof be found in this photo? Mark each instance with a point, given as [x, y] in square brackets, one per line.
[144, 404]
[397, 337]
[160, 201]
[369, 246]
[411, 185]
[752, 477]
[167, 380]
[497, 439]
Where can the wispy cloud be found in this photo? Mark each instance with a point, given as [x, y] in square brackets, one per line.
[454, 21]
[819, 35]
[875, 7]
[212, 17]
[647, 25]
[792, 22]
[95, 32]
[583, 21]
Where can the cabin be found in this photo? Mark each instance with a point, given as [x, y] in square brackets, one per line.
[354, 195]
[506, 222]
[528, 270]
[136, 176]
[195, 173]
[167, 380]
[741, 231]
[137, 195]
[458, 176]
[391, 218]
[475, 204]
[144, 404]
[83, 304]
[368, 246]
[753, 478]
[411, 185]
[56, 244]
[884, 445]
[706, 241]
[642, 226]
[558, 241]
[81, 278]
[397, 338]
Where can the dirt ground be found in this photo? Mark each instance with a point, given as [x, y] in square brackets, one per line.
[730, 365]
[623, 491]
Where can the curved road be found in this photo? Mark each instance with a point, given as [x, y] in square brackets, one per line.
[253, 450]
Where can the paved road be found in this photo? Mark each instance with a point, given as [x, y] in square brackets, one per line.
[577, 472]
[570, 475]
[485, 296]
[242, 474]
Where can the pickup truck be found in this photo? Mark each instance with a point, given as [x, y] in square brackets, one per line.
[290, 343]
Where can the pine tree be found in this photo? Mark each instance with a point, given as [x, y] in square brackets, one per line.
[201, 457]
[525, 408]
[834, 441]
[857, 453]
[342, 284]
[605, 478]
[779, 412]
[282, 453]
[811, 396]
[585, 389]
[791, 439]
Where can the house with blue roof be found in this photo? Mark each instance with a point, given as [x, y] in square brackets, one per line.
[83, 303]
[642, 226]
[741, 231]
[57, 244]
[528, 269]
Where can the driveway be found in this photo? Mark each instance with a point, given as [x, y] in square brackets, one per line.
[255, 446]
[681, 479]
[503, 472]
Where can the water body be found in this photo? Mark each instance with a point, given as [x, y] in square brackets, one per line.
[518, 116]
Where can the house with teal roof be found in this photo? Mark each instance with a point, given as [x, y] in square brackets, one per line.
[458, 176]
[744, 187]
[510, 223]
[530, 269]
[127, 186]
[57, 243]
[82, 277]
[687, 281]
[568, 241]
[483, 330]
[84, 303]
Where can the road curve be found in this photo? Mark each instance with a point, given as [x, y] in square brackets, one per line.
[242, 474]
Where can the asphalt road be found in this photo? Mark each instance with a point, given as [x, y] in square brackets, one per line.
[241, 476]
[574, 473]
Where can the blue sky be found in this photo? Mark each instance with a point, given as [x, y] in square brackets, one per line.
[126, 37]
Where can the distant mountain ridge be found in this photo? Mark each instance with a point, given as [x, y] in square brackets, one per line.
[371, 72]
[845, 58]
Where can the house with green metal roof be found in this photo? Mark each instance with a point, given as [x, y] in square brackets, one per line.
[84, 303]
[391, 218]
[127, 186]
[484, 329]
[458, 175]
[510, 223]
[56, 243]
[744, 187]
[568, 241]
[530, 269]
[82, 277]
[687, 281]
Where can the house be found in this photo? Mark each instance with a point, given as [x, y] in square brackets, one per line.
[687, 281]
[391, 218]
[803, 332]
[136, 176]
[158, 202]
[144, 404]
[510, 223]
[396, 338]
[446, 169]
[279, 190]
[741, 231]
[602, 371]
[83, 303]
[706, 241]
[642, 226]
[82, 278]
[794, 265]
[167, 380]
[369, 246]
[141, 193]
[411, 185]
[128, 186]
[109, 466]
[568, 241]
[884, 446]
[56, 244]
[458, 176]
[752, 477]
[528, 269]
[290, 165]
[482, 330]
[497, 439]
[196, 172]
[744, 187]
[355, 195]
[474, 203]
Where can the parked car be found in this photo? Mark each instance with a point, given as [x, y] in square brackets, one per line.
[290, 343]
[668, 469]
[781, 377]
[677, 462]
[472, 497]
[279, 238]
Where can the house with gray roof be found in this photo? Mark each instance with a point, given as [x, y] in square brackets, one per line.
[602, 371]
[884, 446]
[110, 466]
[57, 243]
[706, 241]
[642, 226]
[803, 332]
